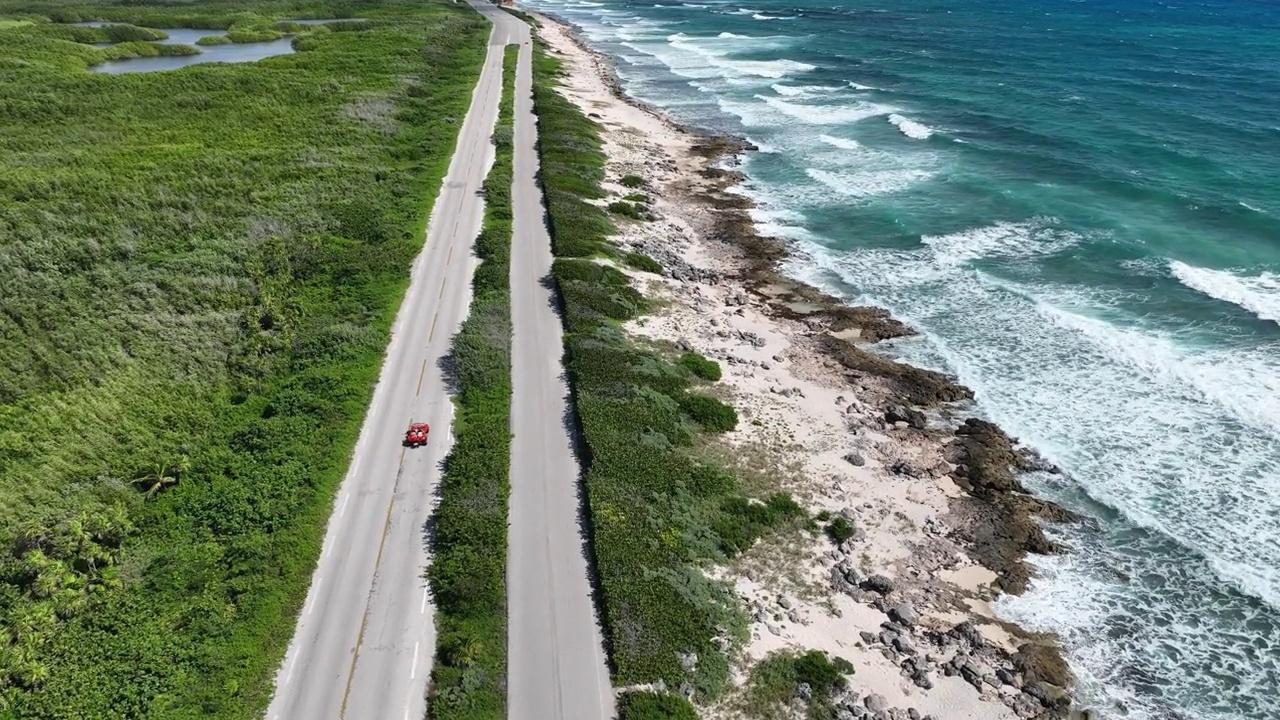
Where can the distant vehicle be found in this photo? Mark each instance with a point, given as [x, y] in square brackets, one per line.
[416, 435]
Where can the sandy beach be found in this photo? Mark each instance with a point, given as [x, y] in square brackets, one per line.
[940, 524]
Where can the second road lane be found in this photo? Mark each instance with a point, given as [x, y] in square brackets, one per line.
[365, 638]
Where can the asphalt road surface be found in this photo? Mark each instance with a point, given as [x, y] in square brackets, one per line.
[365, 638]
[556, 662]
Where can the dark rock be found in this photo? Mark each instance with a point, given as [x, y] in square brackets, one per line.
[855, 459]
[921, 678]
[973, 672]
[876, 703]
[903, 645]
[804, 691]
[879, 584]
[1043, 663]
[1048, 694]
[784, 602]
[886, 637]
[913, 714]
[918, 386]
[1005, 676]
[905, 614]
[686, 690]
[967, 633]
[867, 637]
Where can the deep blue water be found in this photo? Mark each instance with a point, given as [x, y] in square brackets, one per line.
[1078, 202]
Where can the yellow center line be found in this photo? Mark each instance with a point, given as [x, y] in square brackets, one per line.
[441, 291]
[433, 327]
[364, 621]
[449, 260]
[423, 371]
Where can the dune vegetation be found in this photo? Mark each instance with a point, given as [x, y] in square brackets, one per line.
[660, 511]
[199, 271]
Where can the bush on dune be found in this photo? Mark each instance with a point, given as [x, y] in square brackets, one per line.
[657, 510]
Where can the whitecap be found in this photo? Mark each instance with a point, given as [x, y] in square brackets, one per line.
[802, 90]
[911, 128]
[826, 114]
[869, 183]
[842, 143]
[1259, 294]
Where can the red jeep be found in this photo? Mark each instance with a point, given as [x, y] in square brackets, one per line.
[416, 435]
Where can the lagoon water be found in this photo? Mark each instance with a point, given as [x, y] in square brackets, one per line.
[231, 53]
[1078, 203]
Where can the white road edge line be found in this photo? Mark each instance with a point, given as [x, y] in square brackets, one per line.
[343, 510]
[413, 671]
[423, 610]
[289, 676]
[315, 592]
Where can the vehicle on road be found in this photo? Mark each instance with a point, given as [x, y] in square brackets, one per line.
[416, 434]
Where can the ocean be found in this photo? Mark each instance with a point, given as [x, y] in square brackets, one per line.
[1078, 204]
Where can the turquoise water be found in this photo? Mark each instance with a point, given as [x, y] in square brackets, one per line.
[1078, 203]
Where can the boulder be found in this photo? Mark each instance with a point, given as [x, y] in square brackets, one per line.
[904, 614]
[1043, 663]
[879, 584]
[855, 459]
[804, 692]
[876, 703]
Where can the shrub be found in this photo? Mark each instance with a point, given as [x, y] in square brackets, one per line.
[656, 511]
[626, 209]
[839, 529]
[774, 682]
[655, 706]
[640, 198]
[743, 521]
[709, 412]
[643, 262]
[632, 181]
[214, 40]
[701, 366]
[468, 571]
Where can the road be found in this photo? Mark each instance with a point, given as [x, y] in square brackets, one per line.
[365, 637]
[556, 660]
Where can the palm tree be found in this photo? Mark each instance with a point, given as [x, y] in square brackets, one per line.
[163, 476]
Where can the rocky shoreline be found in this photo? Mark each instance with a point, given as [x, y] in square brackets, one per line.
[910, 425]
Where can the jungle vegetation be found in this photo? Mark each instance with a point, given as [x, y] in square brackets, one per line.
[199, 271]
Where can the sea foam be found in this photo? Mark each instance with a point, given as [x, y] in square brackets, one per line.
[1259, 294]
[911, 128]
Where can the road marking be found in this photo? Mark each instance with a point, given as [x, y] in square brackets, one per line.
[443, 283]
[289, 676]
[413, 669]
[315, 592]
[422, 372]
[432, 334]
[423, 610]
[449, 260]
[343, 510]
[364, 620]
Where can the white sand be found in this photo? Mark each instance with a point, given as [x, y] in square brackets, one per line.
[801, 436]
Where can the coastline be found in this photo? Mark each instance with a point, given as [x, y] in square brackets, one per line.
[941, 524]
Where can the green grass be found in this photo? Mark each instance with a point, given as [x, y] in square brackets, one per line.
[468, 572]
[200, 268]
[659, 512]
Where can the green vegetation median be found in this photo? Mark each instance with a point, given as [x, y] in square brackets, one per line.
[659, 512]
[200, 269]
[468, 570]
